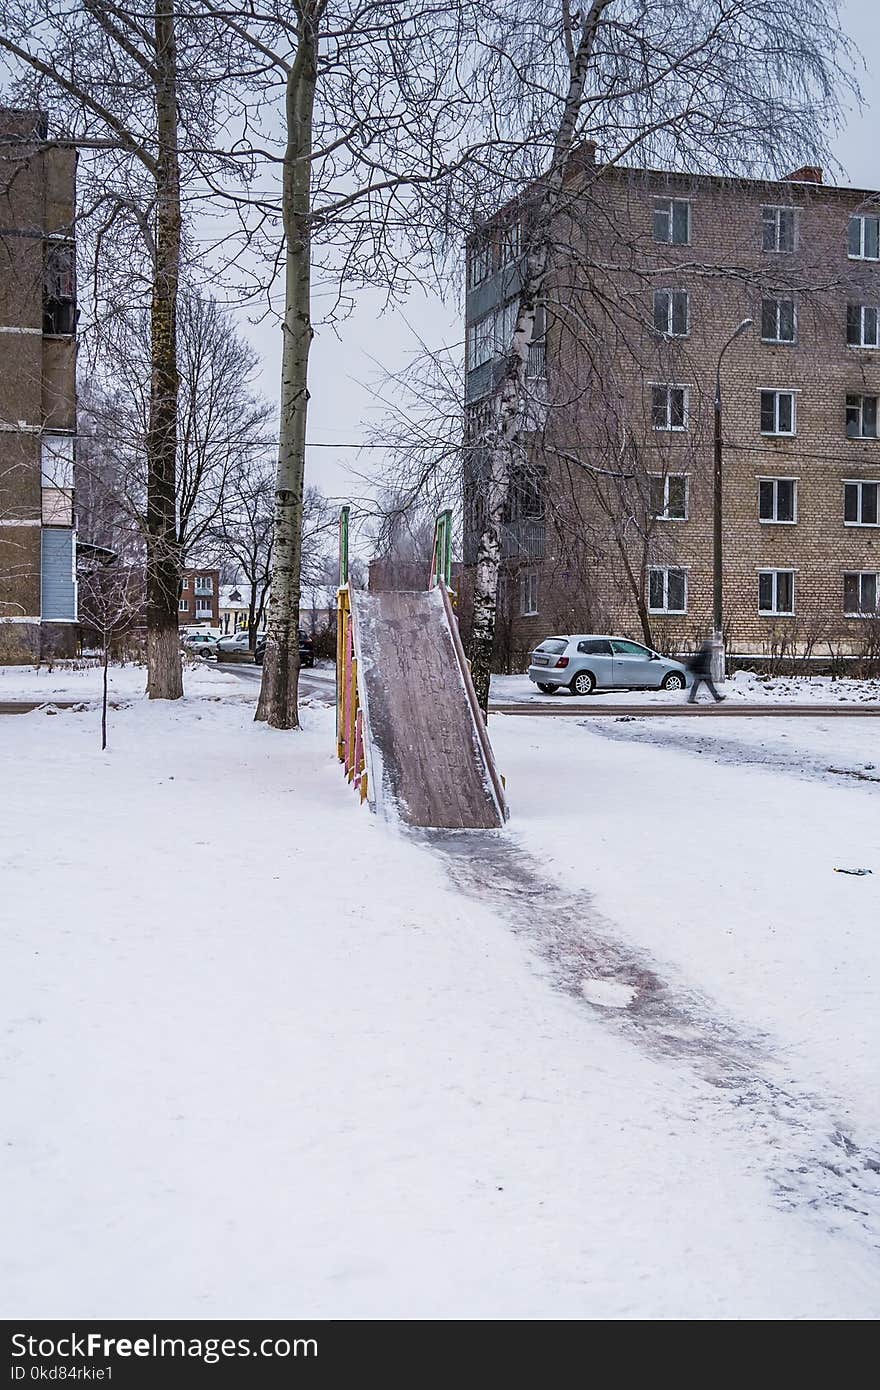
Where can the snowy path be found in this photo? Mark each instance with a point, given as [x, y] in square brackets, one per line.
[810, 1158]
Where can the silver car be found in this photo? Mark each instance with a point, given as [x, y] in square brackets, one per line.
[585, 662]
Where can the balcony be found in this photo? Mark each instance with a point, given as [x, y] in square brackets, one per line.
[523, 540]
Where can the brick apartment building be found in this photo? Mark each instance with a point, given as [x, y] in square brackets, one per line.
[609, 524]
[38, 601]
[199, 600]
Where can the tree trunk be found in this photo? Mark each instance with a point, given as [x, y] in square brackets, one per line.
[278, 693]
[164, 673]
[505, 437]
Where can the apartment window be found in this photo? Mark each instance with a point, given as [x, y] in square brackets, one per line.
[204, 584]
[480, 261]
[184, 585]
[183, 605]
[861, 417]
[492, 335]
[59, 287]
[777, 320]
[776, 592]
[778, 415]
[862, 325]
[777, 500]
[860, 595]
[860, 504]
[669, 497]
[672, 221]
[56, 460]
[528, 594]
[669, 407]
[203, 608]
[778, 229]
[863, 240]
[509, 244]
[667, 590]
[671, 317]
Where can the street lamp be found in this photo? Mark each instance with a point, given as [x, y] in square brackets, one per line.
[717, 561]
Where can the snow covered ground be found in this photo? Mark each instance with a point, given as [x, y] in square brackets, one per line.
[744, 686]
[263, 1056]
[82, 680]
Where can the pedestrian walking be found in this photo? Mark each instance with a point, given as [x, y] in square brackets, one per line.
[700, 666]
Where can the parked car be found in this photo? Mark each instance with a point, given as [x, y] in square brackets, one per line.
[236, 642]
[200, 643]
[306, 649]
[586, 662]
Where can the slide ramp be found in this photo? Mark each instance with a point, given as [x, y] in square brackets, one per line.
[428, 753]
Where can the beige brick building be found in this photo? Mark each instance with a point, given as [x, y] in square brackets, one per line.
[610, 523]
[38, 613]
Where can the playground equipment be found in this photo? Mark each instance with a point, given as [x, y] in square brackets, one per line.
[409, 731]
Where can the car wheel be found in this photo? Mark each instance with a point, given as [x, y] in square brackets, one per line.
[584, 683]
[674, 681]
[547, 689]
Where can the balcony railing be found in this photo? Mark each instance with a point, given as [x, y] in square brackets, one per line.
[523, 540]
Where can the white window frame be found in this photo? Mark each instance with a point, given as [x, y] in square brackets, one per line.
[862, 218]
[528, 594]
[668, 331]
[775, 611]
[57, 458]
[861, 342]
[667, 205]
[183, 605]
[776, 209]
[861, 397]
[776, 479]
[204, 584]
[664, 515]
[861, 483]
[184, 585]
[778, 302]
[665, 571]
[776, 392]
[204, 608]
[866, 612]
[668, 387]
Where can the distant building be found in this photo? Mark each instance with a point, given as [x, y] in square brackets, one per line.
[609, 522]
[199, 600]
[38, 592]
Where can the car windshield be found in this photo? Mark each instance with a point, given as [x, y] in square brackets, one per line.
[553, 646]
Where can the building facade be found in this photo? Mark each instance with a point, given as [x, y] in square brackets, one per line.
[199, 600]
[610, 517]
[38, 599]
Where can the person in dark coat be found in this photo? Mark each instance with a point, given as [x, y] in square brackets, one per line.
[701, 669]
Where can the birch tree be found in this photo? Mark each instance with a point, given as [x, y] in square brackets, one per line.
[380, 105]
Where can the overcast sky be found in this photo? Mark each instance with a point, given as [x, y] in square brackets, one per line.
[342, 370]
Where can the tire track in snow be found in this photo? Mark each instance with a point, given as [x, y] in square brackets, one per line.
[811, 1158]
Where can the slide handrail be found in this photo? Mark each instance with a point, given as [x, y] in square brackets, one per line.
[476, 712]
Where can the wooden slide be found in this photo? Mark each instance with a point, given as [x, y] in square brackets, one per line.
[427, 750]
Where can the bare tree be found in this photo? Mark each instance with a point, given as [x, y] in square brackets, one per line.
[222, 424]
[123, 85]
[380, 105]
[110, 605]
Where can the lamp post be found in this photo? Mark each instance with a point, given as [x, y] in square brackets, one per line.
[717, 516]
